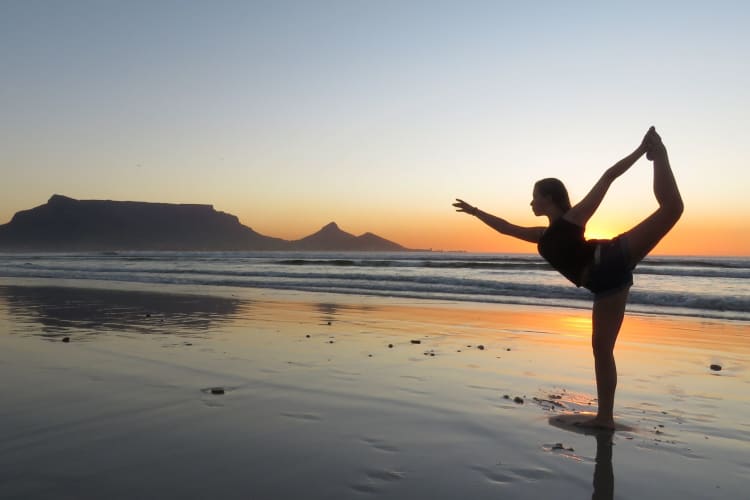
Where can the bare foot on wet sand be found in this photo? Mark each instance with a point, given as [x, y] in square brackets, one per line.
[597, 423]
[587, 423]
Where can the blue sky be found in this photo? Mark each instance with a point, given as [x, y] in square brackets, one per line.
[373, 114]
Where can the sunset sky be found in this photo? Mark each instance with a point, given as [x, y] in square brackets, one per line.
[377, 114]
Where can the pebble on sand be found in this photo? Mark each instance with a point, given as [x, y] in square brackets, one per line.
[560, 446]
[518, 400]
[390, 346]
[480, 347]
[716, 368]
[66, 339]
[217, 390]
[416, 341]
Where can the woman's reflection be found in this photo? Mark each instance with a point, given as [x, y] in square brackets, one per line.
[604, 476]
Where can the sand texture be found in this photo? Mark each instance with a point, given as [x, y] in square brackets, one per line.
[160, 394]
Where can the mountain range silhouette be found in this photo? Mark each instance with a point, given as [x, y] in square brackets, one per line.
[68, 225]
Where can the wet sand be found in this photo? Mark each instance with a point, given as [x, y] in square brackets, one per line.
[260, 394]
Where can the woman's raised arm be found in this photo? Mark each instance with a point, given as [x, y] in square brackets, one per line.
[583, 210]
[530, 234]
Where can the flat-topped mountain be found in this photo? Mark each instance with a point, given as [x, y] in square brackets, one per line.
[67, 225]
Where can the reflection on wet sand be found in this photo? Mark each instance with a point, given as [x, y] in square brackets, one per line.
[62, 311]
[604, 476]
[327, 312]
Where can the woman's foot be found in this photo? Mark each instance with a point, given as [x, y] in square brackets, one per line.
[599, 423]
[654, 145]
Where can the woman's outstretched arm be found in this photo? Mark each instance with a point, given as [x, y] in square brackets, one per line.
[583, 210]
[530, 234]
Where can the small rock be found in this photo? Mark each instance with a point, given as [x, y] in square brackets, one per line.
[506, 397]
[480, 347]
[330, 341]
[560, 446]
[390, 346]
[329, 323]
[369, 355]
[217, 390]
[307, 336]
[148, 315]
[716, 368]
[416, 341]
[508, 349]
[66, 339]
[188, 343]
[518, 400]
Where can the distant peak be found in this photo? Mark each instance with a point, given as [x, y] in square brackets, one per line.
[58, 198]
[330, 226]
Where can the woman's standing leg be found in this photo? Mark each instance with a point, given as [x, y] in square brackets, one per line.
[607, 318]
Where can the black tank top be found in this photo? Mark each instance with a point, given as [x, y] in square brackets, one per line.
[565, 248]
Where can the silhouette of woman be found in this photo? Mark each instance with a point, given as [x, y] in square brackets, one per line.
[602, 266]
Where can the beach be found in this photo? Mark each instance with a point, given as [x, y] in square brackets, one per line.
[173, 391]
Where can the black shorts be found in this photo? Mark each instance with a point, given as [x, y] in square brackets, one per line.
[611, 271]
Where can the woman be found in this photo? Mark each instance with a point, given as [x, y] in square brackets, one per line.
[603, 266]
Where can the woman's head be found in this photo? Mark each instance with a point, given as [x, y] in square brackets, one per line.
[548, 192]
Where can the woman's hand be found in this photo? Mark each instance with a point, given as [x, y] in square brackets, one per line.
[646, 142]
[652, 143]
[462, 206]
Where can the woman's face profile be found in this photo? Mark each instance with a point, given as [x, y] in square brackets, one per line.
[538, 202]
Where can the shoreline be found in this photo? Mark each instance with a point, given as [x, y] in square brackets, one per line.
[330, 397]
[682, 287]
[251, 293]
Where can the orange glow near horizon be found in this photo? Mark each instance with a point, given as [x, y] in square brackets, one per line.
[692, 236]
[708, 236]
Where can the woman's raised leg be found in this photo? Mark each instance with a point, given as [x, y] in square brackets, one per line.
[646, 235]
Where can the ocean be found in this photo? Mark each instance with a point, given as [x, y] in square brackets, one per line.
[704, 287]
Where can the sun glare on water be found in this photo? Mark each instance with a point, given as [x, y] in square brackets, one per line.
[576, 326]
